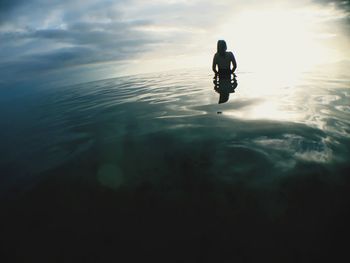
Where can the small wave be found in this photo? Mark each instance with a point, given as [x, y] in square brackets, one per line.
[313, 150]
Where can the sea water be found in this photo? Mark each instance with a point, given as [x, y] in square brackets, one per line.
[153, 163]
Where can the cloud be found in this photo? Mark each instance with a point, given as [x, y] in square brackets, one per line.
[39, 36]
[42, 35]
[339, 3]
[35, 41]
[8, 5]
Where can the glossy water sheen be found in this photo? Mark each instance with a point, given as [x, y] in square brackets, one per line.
[278, 123]
[154, 159]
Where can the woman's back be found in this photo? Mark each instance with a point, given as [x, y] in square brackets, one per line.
[223, 61]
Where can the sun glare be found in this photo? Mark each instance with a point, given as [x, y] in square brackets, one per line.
[282, 40]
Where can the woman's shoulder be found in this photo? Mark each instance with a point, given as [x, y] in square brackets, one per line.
[216, 55]
[230, 55]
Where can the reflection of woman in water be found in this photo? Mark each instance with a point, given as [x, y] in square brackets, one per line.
[223, 60]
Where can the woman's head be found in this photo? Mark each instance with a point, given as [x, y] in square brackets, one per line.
[222, 47]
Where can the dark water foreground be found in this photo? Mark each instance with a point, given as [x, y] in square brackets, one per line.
[144, 169]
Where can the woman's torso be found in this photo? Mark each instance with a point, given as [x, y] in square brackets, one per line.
[223, 62]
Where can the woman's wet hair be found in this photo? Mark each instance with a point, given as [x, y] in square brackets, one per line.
[222, 47]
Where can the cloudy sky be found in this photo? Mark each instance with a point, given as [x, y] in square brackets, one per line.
[77, 41]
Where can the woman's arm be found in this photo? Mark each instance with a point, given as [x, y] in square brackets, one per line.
[214, 65]
[234, 63]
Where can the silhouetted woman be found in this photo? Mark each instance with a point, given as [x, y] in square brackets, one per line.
[223, 59]
[224, 84]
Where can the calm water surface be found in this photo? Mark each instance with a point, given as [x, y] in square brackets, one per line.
[153, 163]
